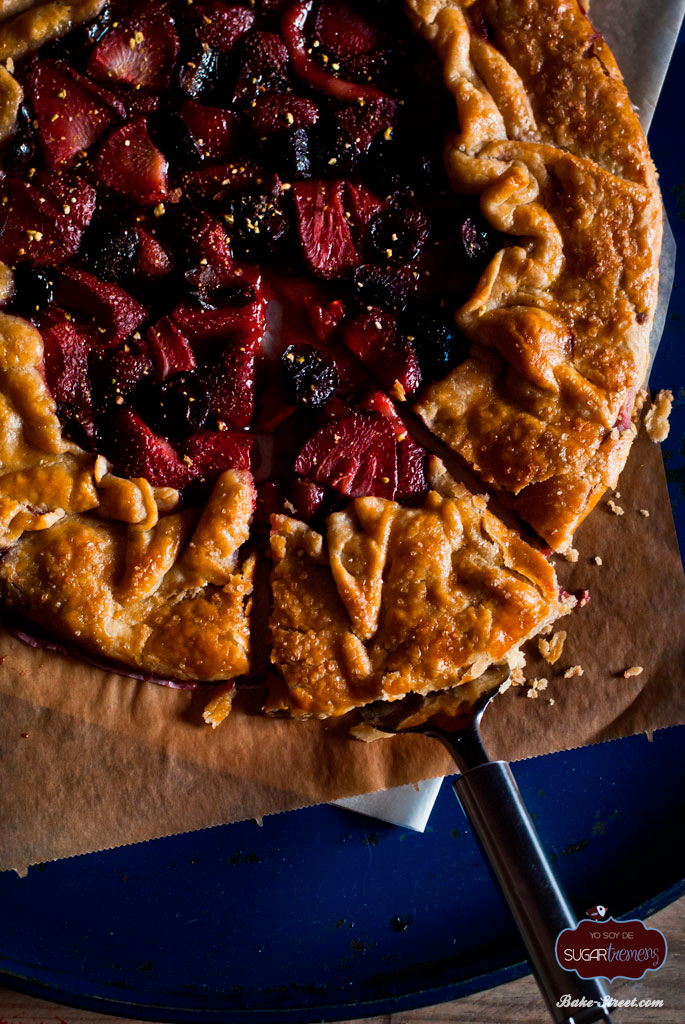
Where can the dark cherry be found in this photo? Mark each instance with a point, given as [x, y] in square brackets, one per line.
[398, 234]
[201, 73]
[436, 342]
[212, 292]
[291, 153]
[311, 377]
[172, 135]
[477, 238]
[109, 247]
[22, 146]
[336, 155]
[176, 407]
[33, 289]
[402, 163]
[257, 225]
[389, 287]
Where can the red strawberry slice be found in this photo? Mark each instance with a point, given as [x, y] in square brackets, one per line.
[73, 197]
[306, 499]
[327, 243]
[210, 244]
[219, 25]
[412, 458]
[212, 452]
[66, 347]
[264, 61]
[116, 313]
[360, 125]
[273, 113]
[293, 26]
[362, 206]
[375, 340]
[169, 350]
[70, 113]
[34, 230]
[152, 259]
[129, 163]
[212, 129]
[230, 178]
[343, 32]
[136, 451]
[116, 372]
[325, 317]
[140, 50]
[231, 384]
[241, 323]
[356, 454]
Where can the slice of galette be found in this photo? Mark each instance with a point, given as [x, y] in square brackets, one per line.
[393, 600]
[237, 242]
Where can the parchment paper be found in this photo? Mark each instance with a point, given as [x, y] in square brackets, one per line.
[90, 760]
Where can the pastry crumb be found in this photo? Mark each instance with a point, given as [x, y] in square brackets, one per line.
[634, 670]
[597, 560]
[551, 649]
[656, 418]
[517, 678]
[571, 555]
[219, 708]
[505, 685]
[551, 701]
[536, 686]
[613, 507]
[574, 670]
[644, 512]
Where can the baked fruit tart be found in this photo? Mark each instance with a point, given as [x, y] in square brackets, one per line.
[259, 263]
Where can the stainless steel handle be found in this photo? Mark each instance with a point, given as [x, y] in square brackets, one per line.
[492, 802]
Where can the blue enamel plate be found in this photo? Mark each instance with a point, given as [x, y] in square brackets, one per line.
[322, 914]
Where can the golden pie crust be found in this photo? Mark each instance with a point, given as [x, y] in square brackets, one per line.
[398, 600]
[560, 321]
[392, 599]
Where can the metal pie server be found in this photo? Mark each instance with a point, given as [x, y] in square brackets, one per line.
[491, 800]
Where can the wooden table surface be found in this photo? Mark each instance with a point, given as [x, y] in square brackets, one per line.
[515, 1003]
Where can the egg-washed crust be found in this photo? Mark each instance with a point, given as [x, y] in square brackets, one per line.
[560, 321]
[400, 600]
[106, 563]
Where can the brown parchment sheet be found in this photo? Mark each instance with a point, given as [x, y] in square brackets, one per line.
[90, 760]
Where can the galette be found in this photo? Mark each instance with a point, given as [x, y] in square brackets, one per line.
[266, 269]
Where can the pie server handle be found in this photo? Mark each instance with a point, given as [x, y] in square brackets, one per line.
[492, 802]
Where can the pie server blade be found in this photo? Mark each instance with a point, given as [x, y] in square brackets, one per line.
[491, 800]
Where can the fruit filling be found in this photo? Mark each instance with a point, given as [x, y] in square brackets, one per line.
[232, 226]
